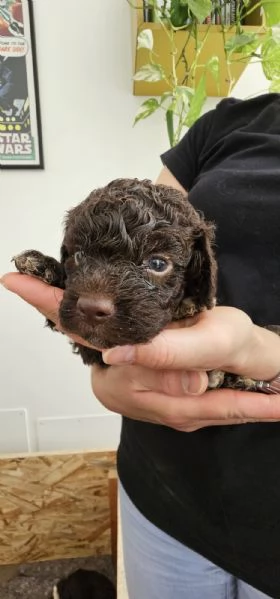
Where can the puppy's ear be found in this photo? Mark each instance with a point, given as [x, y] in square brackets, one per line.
[63, 253]
[200, 274]
[63, 257]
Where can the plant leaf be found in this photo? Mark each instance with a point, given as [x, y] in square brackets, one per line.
[145, 39]
[178, 101]
[197, 102]
[185, 90]
[185, 95]
[237, 43]
[272, 12]
[168, 102]
[275, 86]
[146, 108]
[179, 14]
[275, 31]
[166, 96]
[200, 9]
[214, 67]
[150, 72]
[270, 53]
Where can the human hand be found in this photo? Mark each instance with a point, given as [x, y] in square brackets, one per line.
[164, 375]
[45, 298]
[166, 390]
[178, 400]
[223, 338]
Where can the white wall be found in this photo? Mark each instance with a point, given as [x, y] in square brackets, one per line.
[84, 63]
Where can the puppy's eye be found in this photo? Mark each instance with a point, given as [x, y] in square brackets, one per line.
[157, 264]
[78, 257]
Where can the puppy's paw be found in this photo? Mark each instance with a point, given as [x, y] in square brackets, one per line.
[38, 265]
[243, 383]
[215, 379]
[218, 379]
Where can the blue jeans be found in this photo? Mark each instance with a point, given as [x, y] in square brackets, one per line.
[159, 567]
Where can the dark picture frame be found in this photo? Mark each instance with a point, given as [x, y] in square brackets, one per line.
[20, 120]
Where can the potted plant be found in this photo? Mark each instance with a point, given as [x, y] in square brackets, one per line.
[182, 50]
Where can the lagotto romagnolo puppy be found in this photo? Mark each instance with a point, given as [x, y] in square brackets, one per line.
[84, 584]
[134, 257]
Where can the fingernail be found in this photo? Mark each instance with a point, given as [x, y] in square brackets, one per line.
[192, 383]
[119, 355]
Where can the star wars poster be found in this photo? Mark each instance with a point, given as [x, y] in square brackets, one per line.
[20, 133]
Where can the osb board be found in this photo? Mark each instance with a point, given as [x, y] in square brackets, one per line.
[54, 506]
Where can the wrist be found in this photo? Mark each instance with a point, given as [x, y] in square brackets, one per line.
[262, 360]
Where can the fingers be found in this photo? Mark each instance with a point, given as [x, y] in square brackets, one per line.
[164, 351]
[196, 425]
[174, 347]
[225, 330]
[119, 389]
[227, 406]
[173, 383]
[143, 380]
[41, 296]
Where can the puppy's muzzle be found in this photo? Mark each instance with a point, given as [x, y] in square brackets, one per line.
[95, 310]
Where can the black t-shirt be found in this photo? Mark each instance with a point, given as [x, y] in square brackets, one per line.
[217, 490]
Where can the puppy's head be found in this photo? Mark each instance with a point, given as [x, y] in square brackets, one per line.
[136, 256]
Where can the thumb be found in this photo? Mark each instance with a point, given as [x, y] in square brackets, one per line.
[40, 295]
[45, 298]
[189, 347]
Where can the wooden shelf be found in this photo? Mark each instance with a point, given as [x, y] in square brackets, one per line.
[214, 45]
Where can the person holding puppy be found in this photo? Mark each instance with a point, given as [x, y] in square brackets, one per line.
[200, 490]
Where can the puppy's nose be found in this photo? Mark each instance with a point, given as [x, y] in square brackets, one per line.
[96, 309]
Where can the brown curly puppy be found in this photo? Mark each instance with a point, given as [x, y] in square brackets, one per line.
[135, 256]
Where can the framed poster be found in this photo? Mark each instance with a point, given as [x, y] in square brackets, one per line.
[20, 125]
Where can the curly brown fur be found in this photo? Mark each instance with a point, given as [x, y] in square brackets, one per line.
[109, 242]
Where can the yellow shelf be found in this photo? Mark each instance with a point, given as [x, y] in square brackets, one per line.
[214, 45]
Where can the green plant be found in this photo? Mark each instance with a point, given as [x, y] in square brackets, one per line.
[183, 101]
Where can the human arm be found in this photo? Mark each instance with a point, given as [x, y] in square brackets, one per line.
[166, 178]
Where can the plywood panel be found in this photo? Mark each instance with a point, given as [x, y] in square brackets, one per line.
[54, 506]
